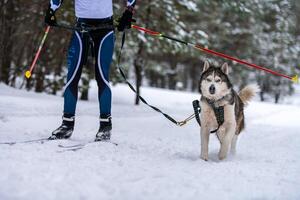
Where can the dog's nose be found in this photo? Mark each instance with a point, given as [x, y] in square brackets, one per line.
[212, 89]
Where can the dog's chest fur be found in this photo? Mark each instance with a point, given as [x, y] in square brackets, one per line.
[233, 113]
[209, 118]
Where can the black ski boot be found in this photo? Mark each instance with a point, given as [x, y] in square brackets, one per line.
[104, 131]
[66, 128]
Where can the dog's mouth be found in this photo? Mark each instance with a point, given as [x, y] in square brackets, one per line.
[216, 96]
[211, 97]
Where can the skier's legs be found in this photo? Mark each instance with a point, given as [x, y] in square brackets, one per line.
[76, 56]
[104, 46]
[104, 52]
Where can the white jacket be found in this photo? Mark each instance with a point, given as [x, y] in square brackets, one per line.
[91, 9]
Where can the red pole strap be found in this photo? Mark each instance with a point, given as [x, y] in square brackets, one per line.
[241, 61]
[146, 30]
[295, 78]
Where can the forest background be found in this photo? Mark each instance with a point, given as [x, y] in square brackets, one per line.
[263, 32]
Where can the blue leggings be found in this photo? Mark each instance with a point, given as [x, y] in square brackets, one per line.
[102, 47]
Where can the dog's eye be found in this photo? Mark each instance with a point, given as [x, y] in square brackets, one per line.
[218, 80]
[208, 80]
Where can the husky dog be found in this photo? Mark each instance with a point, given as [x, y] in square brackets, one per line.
[222, 109]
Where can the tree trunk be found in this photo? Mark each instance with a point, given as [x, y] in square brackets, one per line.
[28, 84]
[138, 63]
[85, 94]
[39, 85]
[7, 12]
[277, 96]
[262, 96]
[57, 84]
[1, 35]
[85, 79]
[277, 91]
[85, 89]
[172, 75]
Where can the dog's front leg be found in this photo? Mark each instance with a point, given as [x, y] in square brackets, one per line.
[225, 136]
[204, 143]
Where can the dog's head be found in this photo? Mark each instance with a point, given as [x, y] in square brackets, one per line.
[214, 83]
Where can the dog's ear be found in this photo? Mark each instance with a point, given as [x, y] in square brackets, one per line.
[225, 68]
[206, 66]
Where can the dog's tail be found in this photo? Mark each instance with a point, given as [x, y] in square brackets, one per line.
[248, 92]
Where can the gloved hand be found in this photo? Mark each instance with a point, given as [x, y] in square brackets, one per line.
[50, 18]
[125, 20]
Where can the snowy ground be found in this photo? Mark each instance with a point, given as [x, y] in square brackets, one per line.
[154, 160]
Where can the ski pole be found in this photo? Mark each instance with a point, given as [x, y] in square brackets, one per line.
[29, 72]
[294, 79]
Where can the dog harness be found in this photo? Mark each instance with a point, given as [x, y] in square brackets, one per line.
[218, 110]
[219, 114]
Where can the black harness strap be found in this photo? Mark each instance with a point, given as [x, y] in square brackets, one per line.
[133, 89]
[85, 28]
[197, 110]
[219, 113]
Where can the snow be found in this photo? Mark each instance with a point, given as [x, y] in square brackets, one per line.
[190, 5]
[154, 158]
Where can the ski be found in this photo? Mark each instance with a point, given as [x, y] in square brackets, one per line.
[41, 140]
[77, 147]
[70, 149]
[82, 145]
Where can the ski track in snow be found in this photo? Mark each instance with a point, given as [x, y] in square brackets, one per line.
[154, 158]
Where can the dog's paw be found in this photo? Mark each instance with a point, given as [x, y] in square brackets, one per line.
[204, 157]
[222, 156]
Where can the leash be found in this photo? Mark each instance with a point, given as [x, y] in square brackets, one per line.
[178, 123]
[219, 112]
